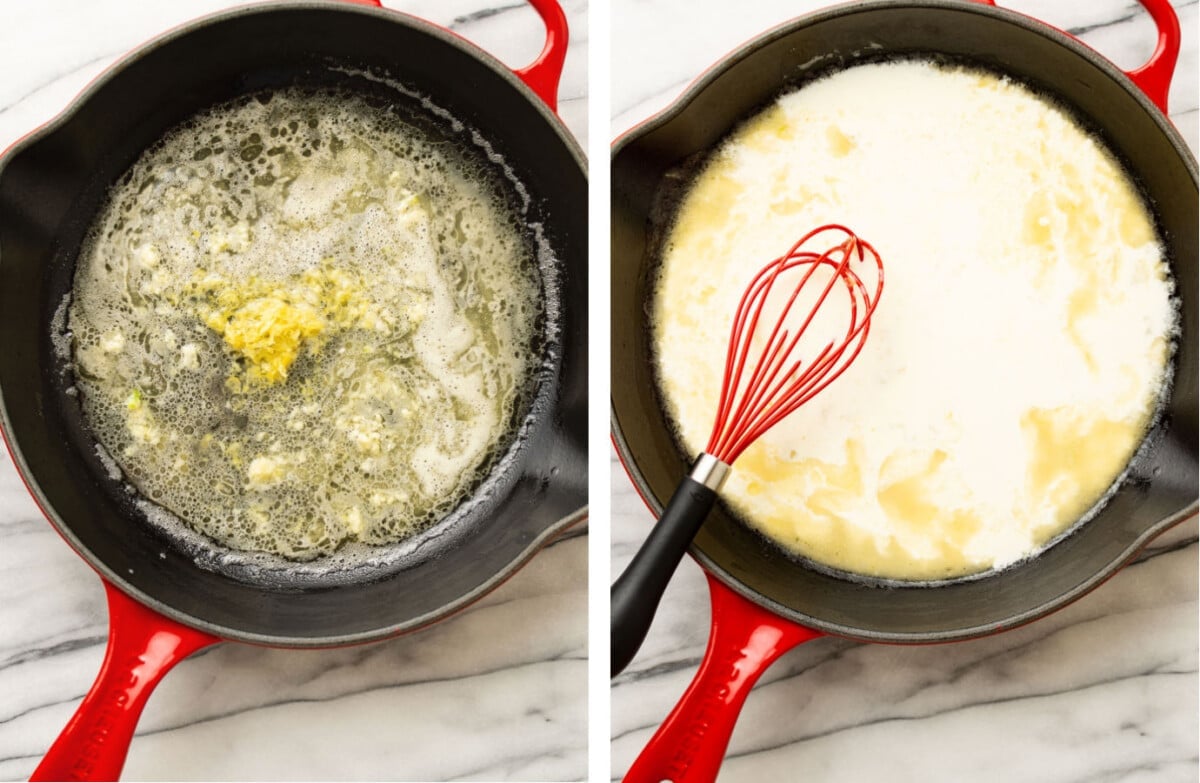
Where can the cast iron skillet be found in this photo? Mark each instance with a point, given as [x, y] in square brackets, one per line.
[764, 602]
[164, 604]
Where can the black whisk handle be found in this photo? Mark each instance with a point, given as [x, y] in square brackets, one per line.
[637, 592]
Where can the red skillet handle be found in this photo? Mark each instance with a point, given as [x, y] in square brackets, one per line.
[690, 745]
[1154, 78]
[543, 74]
[142, 647]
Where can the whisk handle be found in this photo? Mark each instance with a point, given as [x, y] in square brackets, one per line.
[637, 592]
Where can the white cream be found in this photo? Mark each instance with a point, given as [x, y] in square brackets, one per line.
[1017, 353]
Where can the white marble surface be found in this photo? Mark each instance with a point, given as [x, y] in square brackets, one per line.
[1104, 690]
[496, 693]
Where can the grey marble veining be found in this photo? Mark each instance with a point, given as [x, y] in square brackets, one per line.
[498, 692]
[1104, 690]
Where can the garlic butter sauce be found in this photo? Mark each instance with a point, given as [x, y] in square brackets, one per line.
[302, 321]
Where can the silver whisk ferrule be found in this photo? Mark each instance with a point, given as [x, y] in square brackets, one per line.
[709, 471]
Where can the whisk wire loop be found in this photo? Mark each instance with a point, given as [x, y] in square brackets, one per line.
[763, 385]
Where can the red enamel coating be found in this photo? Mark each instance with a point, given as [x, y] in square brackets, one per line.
[543, 74]
[1154, 78]
[142, 647]
[745, 640]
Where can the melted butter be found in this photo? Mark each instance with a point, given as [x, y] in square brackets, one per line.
[711, 202]
[1073, 459]
[825, 485]
[907, 491]
[770, 127]
[912, 495]
[302, 320]
[840, 145]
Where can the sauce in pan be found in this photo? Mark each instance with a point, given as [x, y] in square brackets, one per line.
[302, 321]
[1017, 356]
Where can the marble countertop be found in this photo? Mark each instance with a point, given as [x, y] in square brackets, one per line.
[498, 692]
[1104, 690]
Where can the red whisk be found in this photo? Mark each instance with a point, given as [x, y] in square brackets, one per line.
[774, 364]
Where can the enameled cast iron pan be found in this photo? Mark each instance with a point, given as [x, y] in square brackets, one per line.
[765, 602]
[163, 603]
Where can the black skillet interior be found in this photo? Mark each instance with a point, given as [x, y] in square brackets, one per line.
[1162, 486]
[49, 191]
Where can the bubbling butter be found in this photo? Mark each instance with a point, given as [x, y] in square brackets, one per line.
[303, 320]
[1019, 350]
